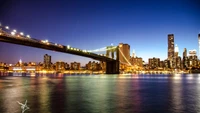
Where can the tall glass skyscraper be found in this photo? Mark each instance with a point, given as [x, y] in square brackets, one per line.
[124, 54]
[176, 51]
[199, 45]
[47, 61]
[170, 47]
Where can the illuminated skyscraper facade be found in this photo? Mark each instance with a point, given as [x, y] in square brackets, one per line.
[124, 53]
[60, 66]
[170, 46]
[176, 51]
[47, 61]
[199, 44]
[133, 54]
[185, 53]
[154, 63]
[185, 59]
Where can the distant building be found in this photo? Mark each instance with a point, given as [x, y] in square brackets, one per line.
[199, 44]
[178, 63]
[93, 66]
[31, 64]
[124, 53]
[170, 46]
[192, 52]
[60, 66]
[47, 62]
[20, 63]
[67, 67]
[193, 61]
[176, 51]
[133, 54]
[185, 52]
[166, 64]
[103, 65]
[185, 62]
[162, 64]
[154, 63]
[137, 62]
[75, 66]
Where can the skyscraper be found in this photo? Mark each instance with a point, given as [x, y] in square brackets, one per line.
[124, 53]
[170, 47]
[133, 54]
[47, 61]
[185, 53]
[176, 51]
[199, 44]
[185, 58]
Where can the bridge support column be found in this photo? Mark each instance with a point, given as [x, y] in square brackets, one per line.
[112, 67]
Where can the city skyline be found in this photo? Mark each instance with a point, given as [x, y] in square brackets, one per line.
[98, 29]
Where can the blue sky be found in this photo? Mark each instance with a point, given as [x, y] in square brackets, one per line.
[92, 24]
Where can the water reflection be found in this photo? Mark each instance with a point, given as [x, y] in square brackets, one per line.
[51, 93]
[12, 92]
[176, 94]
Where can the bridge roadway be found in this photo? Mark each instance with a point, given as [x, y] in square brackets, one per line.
[58, 48]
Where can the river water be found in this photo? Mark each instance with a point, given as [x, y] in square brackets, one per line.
[100, 93]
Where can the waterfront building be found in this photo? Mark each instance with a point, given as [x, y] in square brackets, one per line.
[93, 66]
[26, 69]
[171, 50]
[47, 62]
[192, 52]
[137, 62]
[124, 53]
[60, 66]
[75, 66]
[170, 46]
[133, 54]
[185, 62]
[154, 63]
[176, 51]
[103, 65]
[31, 64]
[185, 52]
[193, 61]
[67, 67]
[162, 64]
[178, 62]
[199, 44]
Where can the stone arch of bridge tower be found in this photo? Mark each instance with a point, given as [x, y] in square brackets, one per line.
[112, 51]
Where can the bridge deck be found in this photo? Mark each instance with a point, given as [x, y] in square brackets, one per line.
[48, 46]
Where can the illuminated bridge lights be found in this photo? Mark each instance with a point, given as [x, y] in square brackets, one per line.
[28, 36]
[15, 30]
[21, 33]
[7, 27]
[7, 32]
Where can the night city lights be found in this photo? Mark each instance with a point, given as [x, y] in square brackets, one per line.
[100, 56]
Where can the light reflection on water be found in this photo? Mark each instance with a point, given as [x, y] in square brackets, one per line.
[48, 93]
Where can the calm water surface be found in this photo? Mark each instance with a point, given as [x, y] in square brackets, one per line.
[101, 93]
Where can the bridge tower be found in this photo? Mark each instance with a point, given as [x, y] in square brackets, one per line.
[112, 67]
